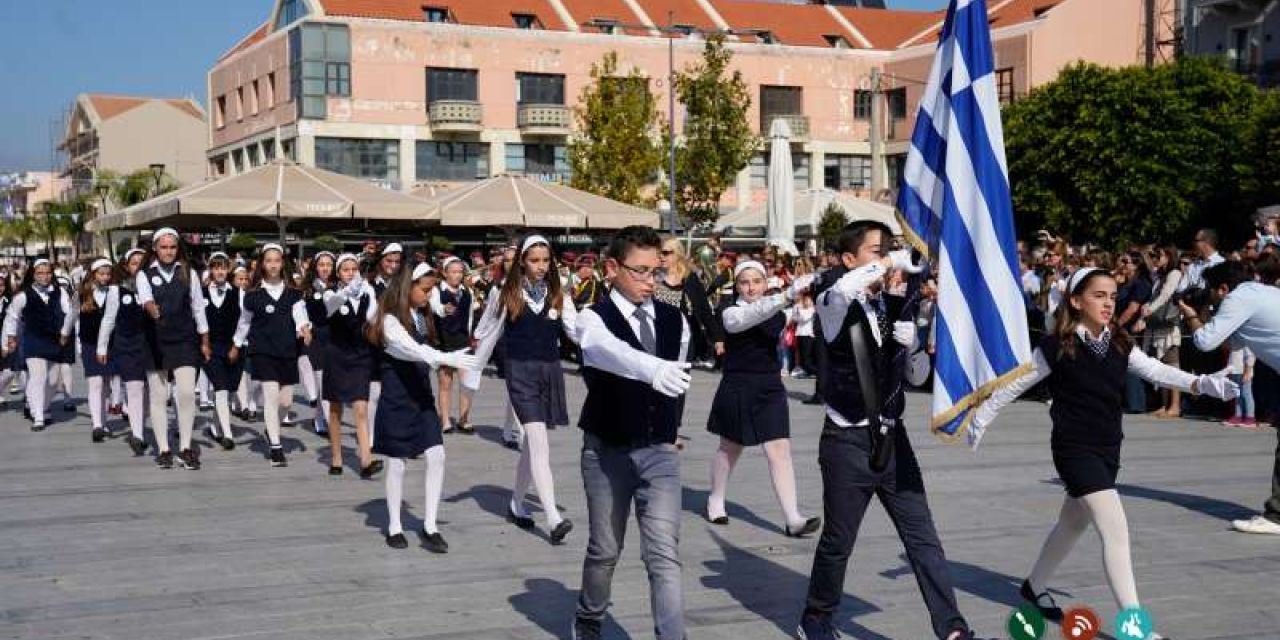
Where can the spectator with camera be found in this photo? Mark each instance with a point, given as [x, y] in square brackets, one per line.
[1247, 314]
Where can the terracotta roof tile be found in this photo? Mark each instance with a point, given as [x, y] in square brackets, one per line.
[470, 12]
[110, 106]
[1020, 11]
[791, 24]
[887, 28]
[685, 12]
[617, 10]
[258, 35]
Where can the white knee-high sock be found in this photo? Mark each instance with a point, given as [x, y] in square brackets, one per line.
[255, 395]
[435, 486]
[222, 406]
[721, 468]
[781, 471]
[6, 377]
[307, 374]
[202, 387]
[37, 387]
[184, 399]
[535, 464]
[375, 392]
[158, 394]
[242, 393]
[511, 430]
[97, 399]
[1073, 519]
[115, 391]
[271, 411]
[395, 494]
[137, 407]
[1108, 518]
[322, 408]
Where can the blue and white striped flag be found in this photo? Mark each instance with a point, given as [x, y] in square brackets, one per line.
[956, 209]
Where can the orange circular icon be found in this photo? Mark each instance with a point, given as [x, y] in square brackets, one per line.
[1080, 624]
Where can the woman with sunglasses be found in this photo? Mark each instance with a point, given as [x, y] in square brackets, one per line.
[679, 286]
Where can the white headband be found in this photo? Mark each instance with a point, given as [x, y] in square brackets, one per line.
[345, 257]
[239, 268]
[1078, 277]
[133, 252]
[422, 270]
[165, 231]
[39, 261]
[394, 247]
[323, 254]
[271, 246]
[98, 264]
[748, 264]
[450, 260]
[532, 241]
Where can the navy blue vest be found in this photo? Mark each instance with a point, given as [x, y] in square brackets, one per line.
[90, 323]
[413, 377]
[625, 412]
[756, 349]
[222, 320]
[839, 381]
[455, 324]
[42, 324]
[316, 312]
[1088, 394]
[272, 331]
[127, 336]
[346, 330]
[533, 336]
[177, 324]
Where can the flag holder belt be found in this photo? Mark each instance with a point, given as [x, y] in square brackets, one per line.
[881, 440]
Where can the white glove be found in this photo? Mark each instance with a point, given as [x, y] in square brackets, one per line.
[904, 333]
[355, 288]
[319, 285]
[459, 360]
[1218, 386]
[672, 379]
[799, 285]
[902, 260]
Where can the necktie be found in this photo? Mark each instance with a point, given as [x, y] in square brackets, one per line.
[882, 316]
[647, 338]
[418, 323]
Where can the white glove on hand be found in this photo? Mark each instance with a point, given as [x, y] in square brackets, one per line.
[902, 260]
[1218, 386]
[354, 289]
[319, 285]
[799, 285]
[672, 379]
[460, 360]
[904, 333]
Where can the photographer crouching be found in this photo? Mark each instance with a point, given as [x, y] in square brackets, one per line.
[1247, 313]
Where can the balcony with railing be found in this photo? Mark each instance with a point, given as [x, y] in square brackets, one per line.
[457, 116]
[543, 119]
[799, 125]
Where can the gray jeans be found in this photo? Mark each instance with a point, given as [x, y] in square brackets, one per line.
[614, 477]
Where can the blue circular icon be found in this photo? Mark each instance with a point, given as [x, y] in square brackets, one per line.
[1134, 623]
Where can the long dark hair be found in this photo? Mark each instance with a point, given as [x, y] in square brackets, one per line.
[395, 302]
[513, 287]
[308, 282]
[1068, 317]
[87, 286]
[29, 275]
[260, 271]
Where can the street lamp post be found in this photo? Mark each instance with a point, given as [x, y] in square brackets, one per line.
[103, 190]
[48, 206]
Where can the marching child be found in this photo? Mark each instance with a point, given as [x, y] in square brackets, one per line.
[351, 306]
[224, 368]
[318, 280]
[34, 325]
[452, 304]
[96, 312]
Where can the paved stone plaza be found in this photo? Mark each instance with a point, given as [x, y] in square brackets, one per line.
[97, 544]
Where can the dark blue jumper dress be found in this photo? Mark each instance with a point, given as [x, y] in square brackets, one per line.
[350, 353]
[319, 318]
[130, 351]
[90, 325]
[453, 330]
[273, 336]
[42, 325]
[173, 337]
[9, 361]
[535, 381]
[406, 421]
[223, 375]
[750, 406]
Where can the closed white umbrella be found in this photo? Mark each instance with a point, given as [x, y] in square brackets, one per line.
[781, 202]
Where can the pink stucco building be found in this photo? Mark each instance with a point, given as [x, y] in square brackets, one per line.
[410, 91]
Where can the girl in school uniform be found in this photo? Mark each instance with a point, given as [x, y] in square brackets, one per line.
[34, 325]
[750, 406]
[60, 376]
[408, 425]
[224, 368]
[1085, 360]
[272, 318]
[96, 312]
[128, 349]
[452, 304]
[247, 391]
[317, 281]
[389, 263]
[170, 292]
[352, 305]
[8, 360]
[530, 311]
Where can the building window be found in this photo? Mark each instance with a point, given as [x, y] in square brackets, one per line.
[605, 25]
[289, 150]
[270, 88]
[897, 102]
[546, 161]
[1004, 85]
[239, 104]
[759, 166]
[526, 21]
[452, 161]
[253, 98]
[220, 112]
[452, 84]
[842, 172]
[251, 152]
[436, 14]
[862, 104]
[291, 11]
[779, 101]
[269, 150]
[319, 66]
[539, 88]
[684, 29]
[360, 157]
[837, 42]
[767, 37]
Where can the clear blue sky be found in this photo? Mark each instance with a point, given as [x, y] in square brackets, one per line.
[59, 48]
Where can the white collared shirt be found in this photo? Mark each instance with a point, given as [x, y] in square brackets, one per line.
[399, 343]
[13, 319]
[607, 352]
[833, 305]
[142, 285]
[274, 290]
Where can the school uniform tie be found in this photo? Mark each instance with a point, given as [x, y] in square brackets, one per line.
[647, 339]
[419, 324]
[882, 316]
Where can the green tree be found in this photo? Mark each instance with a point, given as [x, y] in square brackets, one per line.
[718, 141]
[327, 242]
[242, 242]
[1133, 154]
[831, 223]
[1261, 172]
[615, 151]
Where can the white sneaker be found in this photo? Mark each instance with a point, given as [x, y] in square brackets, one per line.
[1256, 524]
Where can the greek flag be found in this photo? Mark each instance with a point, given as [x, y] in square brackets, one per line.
[956, 209]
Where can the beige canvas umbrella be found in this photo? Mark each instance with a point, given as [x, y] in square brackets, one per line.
[507, 201]
[272, 196]
[809, 205]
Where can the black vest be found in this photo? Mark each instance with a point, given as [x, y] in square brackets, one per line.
[223, 319]
[756, 349]
[838, 381]
[1088, 394]
[272, 331]
[346, 328]
[625, 412]
[91, 323]
[177, 324]
[127, 334]
[455, 324]
[316, 312]
[533, 336]
[42, 321]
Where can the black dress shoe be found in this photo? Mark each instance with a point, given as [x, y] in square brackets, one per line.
[227, 444]
[335, 470]
[69, 406]
[524, 522]
[434, 542]
[809, 526]
[561, 530]
[370, 471]
[99, 435]
[720, 520]
[513, 445]
[397, 541]
[1043, 601]
[138, 445]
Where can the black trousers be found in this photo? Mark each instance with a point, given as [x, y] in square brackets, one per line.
[1266, 396]
[848, 484]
